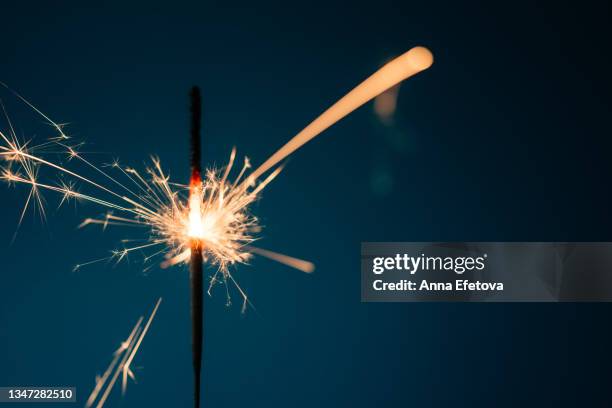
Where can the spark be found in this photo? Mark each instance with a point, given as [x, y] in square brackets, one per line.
[214, 212]
[121, 362]
[299, 264]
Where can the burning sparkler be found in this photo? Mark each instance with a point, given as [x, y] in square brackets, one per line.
[205, 221]
[196, 230]
[212, 212]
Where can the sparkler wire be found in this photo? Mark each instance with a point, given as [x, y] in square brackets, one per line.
[196, 260]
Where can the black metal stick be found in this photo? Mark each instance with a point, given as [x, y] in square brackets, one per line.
[195, 264]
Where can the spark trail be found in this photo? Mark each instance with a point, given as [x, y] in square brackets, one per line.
[120, 364]
[410, 63]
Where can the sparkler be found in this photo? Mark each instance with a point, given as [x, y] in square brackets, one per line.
[195, 262]
[206, 221]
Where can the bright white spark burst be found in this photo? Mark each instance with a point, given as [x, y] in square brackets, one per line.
[214, 211]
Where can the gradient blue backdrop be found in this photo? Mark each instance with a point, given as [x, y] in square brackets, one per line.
[505, 138]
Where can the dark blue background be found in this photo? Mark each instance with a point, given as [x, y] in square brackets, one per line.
[505, 138]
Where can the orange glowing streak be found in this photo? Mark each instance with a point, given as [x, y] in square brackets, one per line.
[403, 67]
